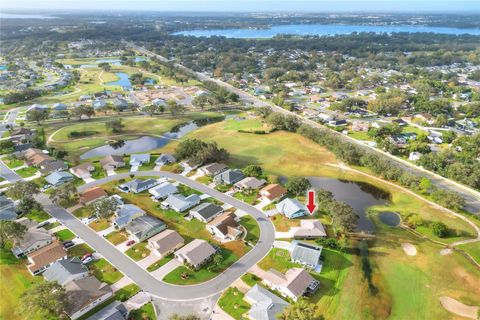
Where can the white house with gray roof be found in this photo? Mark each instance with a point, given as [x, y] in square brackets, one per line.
[139, 159]
[66, 270]
[144, 227]
[231, 176]
[264, 304]
[165, 158]
[196, 253]
[34, 239]
[291, 208]
[306, 254]
[180, 203]
[138, 185]
[58, 178]
[126, 213]
[206, 212]
[163, 190]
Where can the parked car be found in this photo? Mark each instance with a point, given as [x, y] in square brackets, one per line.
[68, 244]
[43, 224]
[86, 256]
[87, 260]
[130, 242]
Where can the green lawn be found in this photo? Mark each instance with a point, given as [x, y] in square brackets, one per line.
[253, 230]
[104, 271]
[146, 312]
[26, 172]
[65, 235]
[232, 303]
[79, 250]
[127, 292]
[250, 279]
[50, 226]
[278, 259]
[246, 125]
[14, 281]
[202, 275]
[82, 212]
[250, 198]
[471, 248]
[117, 237]
[99, 225]
[38, 216]
[159, 263]
[205, 179]
[12, 162]
[138, 251]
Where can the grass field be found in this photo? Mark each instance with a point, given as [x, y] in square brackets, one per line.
[202, 275]
[154, 266]
[278, 259]
[253, 230]
[104, 271]
[232, 303]
[99, 225]
[14, 281]
[138, 251]
[65, 235]
[79, 250]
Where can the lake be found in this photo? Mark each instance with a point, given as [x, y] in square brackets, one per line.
[358, 195]
[123, 81]
[146, 143]
[112, 61]
[2, 68]
[321, 30]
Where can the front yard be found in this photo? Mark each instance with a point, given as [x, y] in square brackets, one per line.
[65, 235]
[232, 303]
[160, 263]
[104, 271]
[253, 230]
[26, 172]
[184, 276]
[138, 251]
[99, 225]
[117, 237]
[278, 259]
[79, 250]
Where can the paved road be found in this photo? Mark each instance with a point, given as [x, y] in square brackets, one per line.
[472, 197]
[144, 279]
[8, 173]
[12, 116]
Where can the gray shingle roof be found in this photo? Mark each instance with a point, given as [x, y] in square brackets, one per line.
[266, 305]
[62, 270]
[305, 253]
[207, 210]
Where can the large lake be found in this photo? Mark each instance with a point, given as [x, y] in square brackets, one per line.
[321, 30]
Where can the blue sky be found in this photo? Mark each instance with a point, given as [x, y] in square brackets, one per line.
[250, 5]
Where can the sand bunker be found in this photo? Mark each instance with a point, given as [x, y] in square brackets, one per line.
[459, 308]
[409, 249]
[446, 251]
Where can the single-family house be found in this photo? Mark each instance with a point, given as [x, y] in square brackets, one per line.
[306, 254]
[112, 162]
[139, 159]
[99, 104]
[138, 185]
[249, 183]
[337, 122]
[159, 102]
[163, 190]
[295, 283]
[52, 166]
[206, 212]
[196, 253]
[59, 107]
[58, 178]
[189, 165]
[166, 242]
[291, 208]
[213, 169]
[230, 176]
[43, 258]
[273, 192]
[144, 227]
[126, 214]
[225, 227]
[180, 203]
[114, 311]
[83, 171]
[165, 158]
[85, 294]
[265, 305]
[120, 104]
[34, 238]
[7, 209]
[414, 156]
[308, 229]
[91, 195]
[66, 270]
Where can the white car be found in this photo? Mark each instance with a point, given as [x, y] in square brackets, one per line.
[87, 260]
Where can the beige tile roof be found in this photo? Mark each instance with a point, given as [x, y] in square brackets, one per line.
[46, 255]
[273, 191]
[226, 224]
[296, 280]
[166, 241]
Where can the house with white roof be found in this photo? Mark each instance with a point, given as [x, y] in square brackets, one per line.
[163, 190]
[180, 203]
[265, 305]
[291, 208]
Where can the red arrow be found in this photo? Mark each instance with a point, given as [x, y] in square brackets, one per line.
[311, 206]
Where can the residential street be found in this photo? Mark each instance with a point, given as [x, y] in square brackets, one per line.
[144, 279]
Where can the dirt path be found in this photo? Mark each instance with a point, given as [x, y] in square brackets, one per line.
[445, 210]
[458, 308]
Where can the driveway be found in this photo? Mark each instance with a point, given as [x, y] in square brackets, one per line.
[106, 231]
[146, 280]
[281, 244]
[123, 246]
[147, 261]
[88, 179]
[283, 235]
[161, 272]
[134, 169]
[111, 172]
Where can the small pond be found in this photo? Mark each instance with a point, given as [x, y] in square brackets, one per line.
[146, 143]
[115, 62]
[123, 81]
[358, 195]
[391, 219]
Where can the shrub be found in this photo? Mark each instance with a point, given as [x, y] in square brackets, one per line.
[439, 229]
